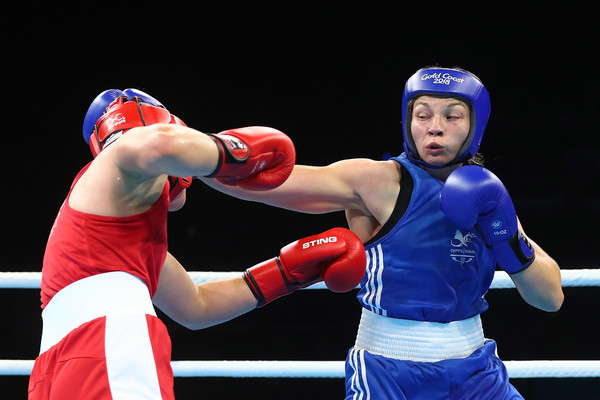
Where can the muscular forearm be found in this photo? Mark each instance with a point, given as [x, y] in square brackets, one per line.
[313, 190]
[209, 303]
[199, 306]
[221, 301]
[540, 284]
[171, 149]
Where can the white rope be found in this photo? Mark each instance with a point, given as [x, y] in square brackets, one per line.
[553, 369]
[259, 369]
[332, 369]
[570, 278]
[325, 369]
[16, 367]
[20, 280]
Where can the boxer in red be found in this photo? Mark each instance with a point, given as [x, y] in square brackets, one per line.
[106, 262]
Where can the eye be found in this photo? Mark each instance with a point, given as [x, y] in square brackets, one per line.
[454, 116]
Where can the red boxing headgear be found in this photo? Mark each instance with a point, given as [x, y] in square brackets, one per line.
[121, 114]
[115, 111]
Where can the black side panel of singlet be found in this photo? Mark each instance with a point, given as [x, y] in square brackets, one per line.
[406, 189]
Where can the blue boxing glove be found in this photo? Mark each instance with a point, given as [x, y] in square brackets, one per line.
[474, 197]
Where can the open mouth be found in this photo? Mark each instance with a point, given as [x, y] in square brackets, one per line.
[434, 149]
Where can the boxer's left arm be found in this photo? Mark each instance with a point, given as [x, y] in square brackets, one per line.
[474, 197]
[336, 256]
[198, 306]
[541, 278]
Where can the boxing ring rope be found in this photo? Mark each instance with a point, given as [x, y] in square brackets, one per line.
[331, 369]
[570, 278]
[326, 369]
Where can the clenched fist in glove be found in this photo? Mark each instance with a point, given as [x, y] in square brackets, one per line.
[336, 256]
[474, 197]
[254, 158]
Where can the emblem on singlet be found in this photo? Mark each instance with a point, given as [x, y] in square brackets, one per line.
[461, 250]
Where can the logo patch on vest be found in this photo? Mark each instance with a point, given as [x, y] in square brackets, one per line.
[461, 250]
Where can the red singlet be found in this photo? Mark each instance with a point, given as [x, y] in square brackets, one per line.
[82, 245]
[101, 337]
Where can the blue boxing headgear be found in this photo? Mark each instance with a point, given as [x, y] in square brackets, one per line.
[447, 82]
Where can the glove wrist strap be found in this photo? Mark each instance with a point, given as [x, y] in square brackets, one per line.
[232, 152]
[267, 281]
[515, 254]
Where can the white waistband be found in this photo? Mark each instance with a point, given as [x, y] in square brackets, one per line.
[112, 293]
[421, 341]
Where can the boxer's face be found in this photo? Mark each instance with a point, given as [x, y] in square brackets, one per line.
[439, 127]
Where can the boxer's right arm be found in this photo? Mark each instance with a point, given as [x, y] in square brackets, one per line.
[169, 149]
[256, 158]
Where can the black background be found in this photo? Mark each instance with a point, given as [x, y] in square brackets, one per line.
[331, 77]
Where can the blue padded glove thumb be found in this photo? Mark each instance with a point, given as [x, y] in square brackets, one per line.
[473, 197]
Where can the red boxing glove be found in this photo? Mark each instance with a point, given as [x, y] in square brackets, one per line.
[336, 256]
[255, 158]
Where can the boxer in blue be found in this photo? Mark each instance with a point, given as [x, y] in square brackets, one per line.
[435, 224]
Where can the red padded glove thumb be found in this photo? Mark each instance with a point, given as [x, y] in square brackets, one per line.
[336, 256]
[348, 270]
